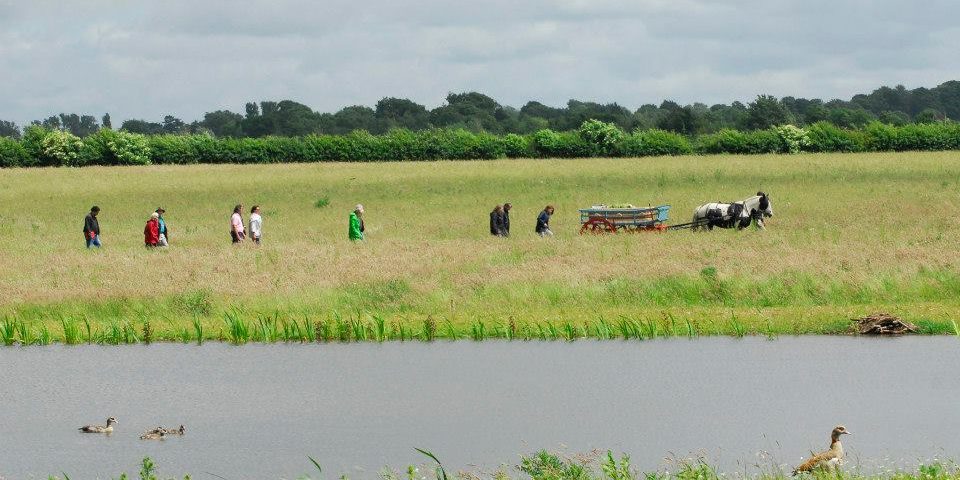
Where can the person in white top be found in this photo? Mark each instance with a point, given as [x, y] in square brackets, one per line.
[256, 224]
[237, 233]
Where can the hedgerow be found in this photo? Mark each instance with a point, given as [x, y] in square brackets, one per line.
[42, 147]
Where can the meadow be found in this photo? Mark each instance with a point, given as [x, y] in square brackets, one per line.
[852, 234]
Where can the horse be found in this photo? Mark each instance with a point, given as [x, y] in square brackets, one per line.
[737, 214]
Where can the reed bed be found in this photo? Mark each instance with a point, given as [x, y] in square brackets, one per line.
[239, 327]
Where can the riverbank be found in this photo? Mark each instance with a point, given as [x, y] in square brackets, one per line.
[852, 235]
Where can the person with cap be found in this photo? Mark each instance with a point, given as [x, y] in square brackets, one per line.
[355, 231]
[496, 221]
[256, 224]
[151, 231]
[237, 233]
[91, 228]
[164, 232]
[505, 227]
[543, 222]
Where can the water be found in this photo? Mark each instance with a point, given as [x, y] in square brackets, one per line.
[257, 411]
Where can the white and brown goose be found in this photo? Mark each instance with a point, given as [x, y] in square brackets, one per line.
[828, 460]
[108, 428]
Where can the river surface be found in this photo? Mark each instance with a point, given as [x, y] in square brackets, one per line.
[258, 411]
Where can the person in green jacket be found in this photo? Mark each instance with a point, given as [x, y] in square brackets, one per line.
[356, 223]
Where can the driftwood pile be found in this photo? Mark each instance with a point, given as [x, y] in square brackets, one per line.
[883, 324]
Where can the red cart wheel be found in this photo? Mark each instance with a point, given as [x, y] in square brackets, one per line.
[597, 225]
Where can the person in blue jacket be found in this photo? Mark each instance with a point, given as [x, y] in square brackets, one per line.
[543, 222]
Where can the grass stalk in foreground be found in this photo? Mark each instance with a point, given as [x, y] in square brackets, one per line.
[544, 465]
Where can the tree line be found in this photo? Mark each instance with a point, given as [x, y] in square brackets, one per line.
[479, 113]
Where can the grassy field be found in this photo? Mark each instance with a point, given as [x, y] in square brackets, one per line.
[852, 234]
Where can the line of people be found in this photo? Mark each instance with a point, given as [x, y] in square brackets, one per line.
[156, 232]
[500, 221]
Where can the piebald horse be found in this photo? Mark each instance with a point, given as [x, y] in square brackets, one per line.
[737, 214]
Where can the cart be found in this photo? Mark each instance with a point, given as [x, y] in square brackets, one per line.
[603, 219]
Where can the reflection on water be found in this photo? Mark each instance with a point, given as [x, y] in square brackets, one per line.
[257, 411]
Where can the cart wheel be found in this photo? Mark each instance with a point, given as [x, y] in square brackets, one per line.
[598, 225]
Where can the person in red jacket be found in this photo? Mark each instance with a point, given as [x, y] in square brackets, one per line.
[151, 232]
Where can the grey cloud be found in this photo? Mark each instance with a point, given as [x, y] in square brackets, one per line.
[147, 59]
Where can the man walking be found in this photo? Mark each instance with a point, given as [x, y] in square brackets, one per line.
[164, 233]
[91, 228]
[505, 230]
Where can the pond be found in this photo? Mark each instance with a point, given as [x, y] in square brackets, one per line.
[258, 411]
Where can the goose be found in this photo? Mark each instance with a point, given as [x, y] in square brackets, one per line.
[153, 435]
[828, 460]
[168, 431]
[108, 428]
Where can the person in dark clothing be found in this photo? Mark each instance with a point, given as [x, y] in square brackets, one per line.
[543, 222]
[91, 228]
[506, 219]
[496, 221]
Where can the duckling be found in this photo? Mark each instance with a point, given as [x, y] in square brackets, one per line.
[169, 431]
[153, 435]
[108, 428]
[828, 460]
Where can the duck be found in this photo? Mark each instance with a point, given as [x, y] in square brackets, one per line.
[829, 459]
[108, 428]
[153, 435]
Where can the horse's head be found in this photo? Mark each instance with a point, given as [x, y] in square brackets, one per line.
[765, 207]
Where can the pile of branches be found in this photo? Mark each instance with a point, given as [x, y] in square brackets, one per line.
[883, 324]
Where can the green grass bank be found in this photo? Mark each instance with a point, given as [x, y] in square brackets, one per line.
[851, 234]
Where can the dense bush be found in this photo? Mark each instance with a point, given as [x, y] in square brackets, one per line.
[12, 153]
[110, 147]
[43, 147]
[59, 148]
[600, 137]
[827, 137]
[648, 143]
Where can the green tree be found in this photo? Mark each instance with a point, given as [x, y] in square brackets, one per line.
[765, 112]
[223, 123]
[9, 129]
[402, 113]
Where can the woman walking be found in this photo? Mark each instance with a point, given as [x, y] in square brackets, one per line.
[355, 231]
[151, 231]
[237, 233]
[543, 222]
[256, 224]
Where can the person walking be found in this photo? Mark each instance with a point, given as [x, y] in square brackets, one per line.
[496, 221]
[356, 229]
[506, 219]
[256, 224]
[543, 222]
[164, 232]
[151, 231]
[91, 228]
[237, 233]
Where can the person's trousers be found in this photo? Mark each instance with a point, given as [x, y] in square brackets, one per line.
[93, 242]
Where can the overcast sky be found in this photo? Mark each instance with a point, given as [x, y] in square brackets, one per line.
[145, 59]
